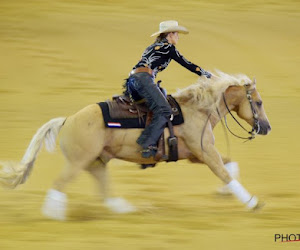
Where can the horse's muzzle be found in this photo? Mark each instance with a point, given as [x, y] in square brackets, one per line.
[263, 127]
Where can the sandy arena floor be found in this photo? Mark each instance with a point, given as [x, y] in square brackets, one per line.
[58, 56]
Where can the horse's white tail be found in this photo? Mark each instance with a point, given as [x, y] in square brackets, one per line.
[12, 174]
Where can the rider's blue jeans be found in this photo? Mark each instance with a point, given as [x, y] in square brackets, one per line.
[141, 85]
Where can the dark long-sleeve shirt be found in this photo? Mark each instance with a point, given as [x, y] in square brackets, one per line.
[158, 56]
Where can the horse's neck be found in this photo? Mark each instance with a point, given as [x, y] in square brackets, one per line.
[221, 109]
[232, 97]
[218, 114]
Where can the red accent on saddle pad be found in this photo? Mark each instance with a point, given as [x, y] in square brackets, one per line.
[114, 124]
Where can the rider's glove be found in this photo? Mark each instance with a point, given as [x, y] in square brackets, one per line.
[207, 74]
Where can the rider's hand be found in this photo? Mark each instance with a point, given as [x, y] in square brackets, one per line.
[207, 74]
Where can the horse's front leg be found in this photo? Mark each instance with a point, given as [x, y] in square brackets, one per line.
[212, 158]
[231, 166]
[205, 151]
[234, 171]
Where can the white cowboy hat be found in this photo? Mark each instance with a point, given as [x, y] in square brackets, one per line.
[170, 26]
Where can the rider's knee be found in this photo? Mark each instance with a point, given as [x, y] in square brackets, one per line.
[164, 111]
[167, 111]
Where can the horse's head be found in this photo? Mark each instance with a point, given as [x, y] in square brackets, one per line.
[249, 107]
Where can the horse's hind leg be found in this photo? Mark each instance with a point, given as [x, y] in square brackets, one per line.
[55, 205]
[82, 139]
[98, 170]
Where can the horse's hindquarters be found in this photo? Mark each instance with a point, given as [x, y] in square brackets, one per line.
[82, 137]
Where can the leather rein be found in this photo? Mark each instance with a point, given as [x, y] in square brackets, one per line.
[255, 127]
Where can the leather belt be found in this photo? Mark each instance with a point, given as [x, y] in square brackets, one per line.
[144, 70]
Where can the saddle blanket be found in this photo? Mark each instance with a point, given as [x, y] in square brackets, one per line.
[136, 122]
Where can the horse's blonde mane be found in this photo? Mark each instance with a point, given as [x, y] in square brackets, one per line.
[207, 92]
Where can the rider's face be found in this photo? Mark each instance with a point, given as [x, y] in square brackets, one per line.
[173, 38]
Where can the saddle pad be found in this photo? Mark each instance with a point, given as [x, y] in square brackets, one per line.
[133, 122]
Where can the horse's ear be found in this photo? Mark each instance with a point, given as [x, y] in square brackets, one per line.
[254, 81]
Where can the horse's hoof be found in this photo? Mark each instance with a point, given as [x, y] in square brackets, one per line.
[258, 206]
[55, 205]
[254, 204]
[119, 205]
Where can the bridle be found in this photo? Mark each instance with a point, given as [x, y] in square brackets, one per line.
[255, 128]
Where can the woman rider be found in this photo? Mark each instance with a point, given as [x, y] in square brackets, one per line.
[141, 85]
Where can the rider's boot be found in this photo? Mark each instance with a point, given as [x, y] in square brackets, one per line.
[149, 151]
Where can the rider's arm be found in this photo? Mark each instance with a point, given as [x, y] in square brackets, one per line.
[174, 53]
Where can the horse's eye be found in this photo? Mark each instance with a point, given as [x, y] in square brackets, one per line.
[259, 103]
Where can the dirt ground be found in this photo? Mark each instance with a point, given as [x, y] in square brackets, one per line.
[59, 56]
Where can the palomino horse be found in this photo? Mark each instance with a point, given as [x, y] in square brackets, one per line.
[88, 145]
